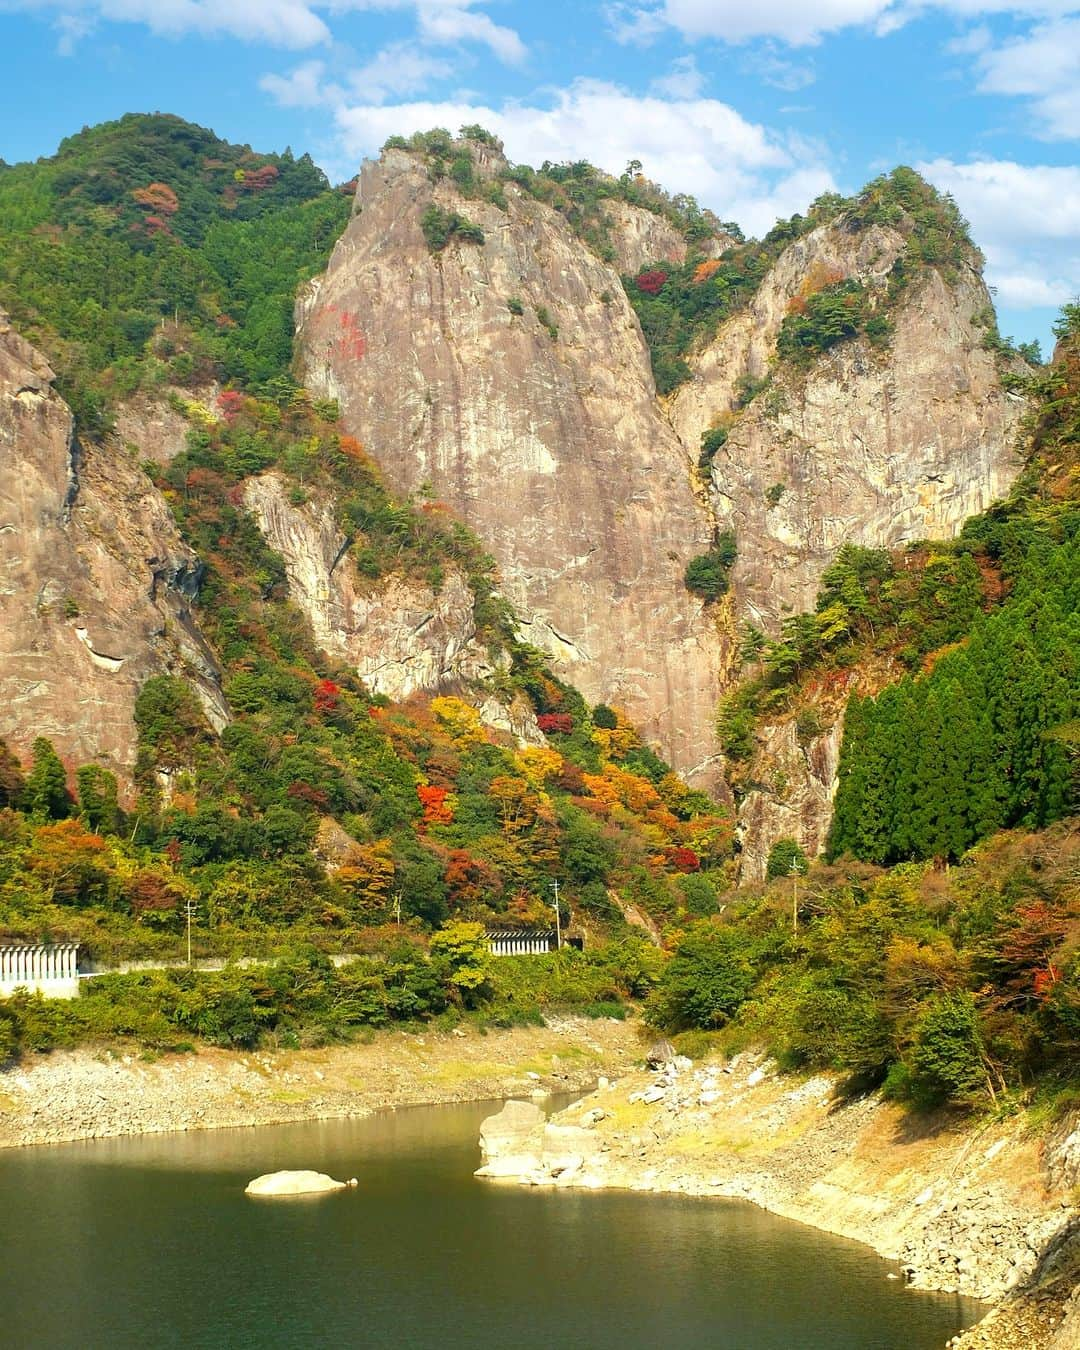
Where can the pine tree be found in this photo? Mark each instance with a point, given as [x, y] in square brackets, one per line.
[98, 803]
[47, 793]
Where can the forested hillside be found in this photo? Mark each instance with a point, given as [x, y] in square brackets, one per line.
[321, 814]
[952, 973]
[148, 251]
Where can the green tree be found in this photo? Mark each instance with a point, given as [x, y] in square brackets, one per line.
[785, 858]
[706, 980]
[461, 951]
[47, 794]
[98, 798]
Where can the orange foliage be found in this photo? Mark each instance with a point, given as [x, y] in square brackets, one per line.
[704, 270]
[157, 197]
[437, 806]
[351, 448]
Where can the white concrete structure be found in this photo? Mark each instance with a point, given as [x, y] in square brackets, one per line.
[50, 970]
[520, 941]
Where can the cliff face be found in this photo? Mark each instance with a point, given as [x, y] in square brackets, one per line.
[400, 635]
[95, 582]
[556, 450]
[553, 448]
[793, 800]
[872, 446]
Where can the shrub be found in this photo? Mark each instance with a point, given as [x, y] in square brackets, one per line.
[441, 226]
[706, 981]
[708, 574]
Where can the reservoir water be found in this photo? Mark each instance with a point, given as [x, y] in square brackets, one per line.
[150, 1242]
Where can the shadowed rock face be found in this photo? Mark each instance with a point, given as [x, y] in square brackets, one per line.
[95, 582]
[556, 451]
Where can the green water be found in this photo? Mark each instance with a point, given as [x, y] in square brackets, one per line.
[151, 1243]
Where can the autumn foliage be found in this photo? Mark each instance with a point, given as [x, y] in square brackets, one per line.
[560, 723]
[651, 282]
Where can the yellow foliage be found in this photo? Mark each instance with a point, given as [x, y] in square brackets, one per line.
[517, 805]
[369, 873]
[617, 743]
[538, 763]
[460, 721]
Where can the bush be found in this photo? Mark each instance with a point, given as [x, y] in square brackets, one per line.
[706, 981]
[708, 574]
[441, 226]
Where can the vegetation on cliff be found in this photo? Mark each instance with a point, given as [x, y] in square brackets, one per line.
[681, 308]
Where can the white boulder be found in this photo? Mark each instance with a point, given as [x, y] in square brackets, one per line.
[295, 1183]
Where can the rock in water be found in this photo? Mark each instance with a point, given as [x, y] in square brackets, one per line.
[295, 1183]
[512, 1141]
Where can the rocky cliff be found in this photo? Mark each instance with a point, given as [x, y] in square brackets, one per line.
[876, 446]
[512, 376]
[95, 582]
[400, 635]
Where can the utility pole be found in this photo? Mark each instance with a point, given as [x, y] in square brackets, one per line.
[558, 919]
[190, 906]
[794, 895]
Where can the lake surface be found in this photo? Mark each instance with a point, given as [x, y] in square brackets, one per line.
[151, 1242]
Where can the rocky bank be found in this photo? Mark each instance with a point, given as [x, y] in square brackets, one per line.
[981, 1210]
[96, 1094]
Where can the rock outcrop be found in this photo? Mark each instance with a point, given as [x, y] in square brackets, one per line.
[961, 1208]
[795, 801]
[552, 447]
[400, 635]
[873, 446]
[95, 581]
[520, 1143]
[556, 450]
[640, 237]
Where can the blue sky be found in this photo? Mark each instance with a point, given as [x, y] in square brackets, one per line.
[754, 106]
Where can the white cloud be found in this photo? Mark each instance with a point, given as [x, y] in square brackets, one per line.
[766, 62]
[1026, 218]
[72, 29]
[683, 80]
[303, 87]
[447, 22]
[701, 146]
[796, 22]
[628, 23]
[401, 68]
[283, 23]
[1043, 65]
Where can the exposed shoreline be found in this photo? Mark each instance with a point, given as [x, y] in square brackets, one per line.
[106, 1093]
[986, 1210]
[962, 1209]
